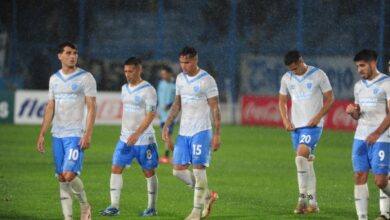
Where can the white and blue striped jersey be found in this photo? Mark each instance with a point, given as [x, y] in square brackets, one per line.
[68, 92]
[166, 96]
[306, 93]
[372, 97]
[136, 102]
[194, 92]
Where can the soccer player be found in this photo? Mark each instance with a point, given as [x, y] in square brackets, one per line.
[166, 96]
[384, 200]
[312, 97]
[70, 90]
[196, 96]
[137, 140]
[372, 139]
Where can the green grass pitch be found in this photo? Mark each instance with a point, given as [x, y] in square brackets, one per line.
[254, 174]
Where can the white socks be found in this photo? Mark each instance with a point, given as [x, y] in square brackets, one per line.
[116, 183]
[200, 190]
[152, 186]
[78, 189]
[186, 176]
[302, 170]
[361, 201]
[311, 185]
[384, 204]
[66, 200]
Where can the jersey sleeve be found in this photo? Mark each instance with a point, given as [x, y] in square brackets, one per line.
[90, 86]
[283, 86]
[387, 89]
[51, 89]
[177, 85]
[355, 92]
[211, 88]
[151, 100]
[324, 83]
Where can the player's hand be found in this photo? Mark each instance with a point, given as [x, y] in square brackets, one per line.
[372, 138]
[40, 146]
[133, 139]
[85, 142]
[216, 142]
[314, 121]
[288, 125]
[352, 108]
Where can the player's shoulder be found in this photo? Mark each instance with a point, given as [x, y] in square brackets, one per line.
[316, 71]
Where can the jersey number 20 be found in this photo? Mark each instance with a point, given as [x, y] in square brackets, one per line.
[305, 139]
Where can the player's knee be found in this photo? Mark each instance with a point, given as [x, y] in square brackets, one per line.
[149, 173]
[61, 178]
[116, 169]
[381, 182]
[68, 176]
[360, 178]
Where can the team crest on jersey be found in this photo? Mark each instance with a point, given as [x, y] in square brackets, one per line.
[292, 87]
[196, 89]
[74, 87]
[376, 91]
[137, 99]
[309, 85]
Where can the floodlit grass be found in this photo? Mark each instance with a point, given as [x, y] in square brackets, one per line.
[254, 174]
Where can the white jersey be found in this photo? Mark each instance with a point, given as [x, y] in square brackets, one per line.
[68, 92]
[135, 102]
[372, 97]
[194, 92]
[306, 93]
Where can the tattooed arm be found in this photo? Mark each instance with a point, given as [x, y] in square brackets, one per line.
[216, 113]
[174, 111]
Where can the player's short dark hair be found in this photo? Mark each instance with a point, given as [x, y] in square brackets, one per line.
[167, 68]
[188, 51]
[61, 46]
[366, 55]
[133, 61]
[291, 56]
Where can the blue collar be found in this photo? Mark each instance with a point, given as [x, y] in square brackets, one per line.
[305, 77]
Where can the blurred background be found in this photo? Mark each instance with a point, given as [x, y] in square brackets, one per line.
[240, 42]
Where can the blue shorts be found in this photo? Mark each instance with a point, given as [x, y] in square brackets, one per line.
[170, 129]
[193, 150]
[366, 157]
[308, 136]
[146, 155]
[67, 154]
